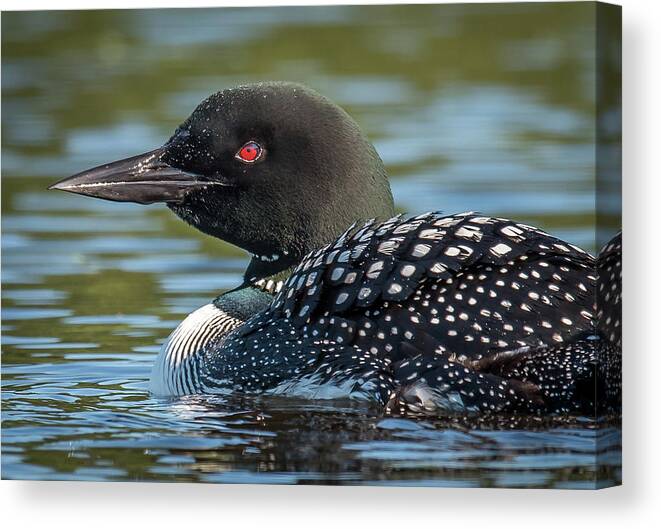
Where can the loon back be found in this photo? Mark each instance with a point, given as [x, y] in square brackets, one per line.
[467, 283]
[378, 312]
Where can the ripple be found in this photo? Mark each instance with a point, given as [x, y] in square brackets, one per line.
[12, 314]
[139, 320]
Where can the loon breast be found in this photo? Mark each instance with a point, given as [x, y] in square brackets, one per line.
[179, 366]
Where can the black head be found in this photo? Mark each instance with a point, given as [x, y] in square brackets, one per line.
[274, 168]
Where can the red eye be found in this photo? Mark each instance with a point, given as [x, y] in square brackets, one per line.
[250, 152]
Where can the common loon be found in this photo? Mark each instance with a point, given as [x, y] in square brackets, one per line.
[342, 298]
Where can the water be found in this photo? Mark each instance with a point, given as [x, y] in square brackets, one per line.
[484, 108]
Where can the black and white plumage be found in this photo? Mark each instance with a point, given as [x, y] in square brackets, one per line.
[470, 284]
[433, 314]
[609, 291]
[176, 370]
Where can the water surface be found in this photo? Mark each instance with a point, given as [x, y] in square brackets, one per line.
[487, 108]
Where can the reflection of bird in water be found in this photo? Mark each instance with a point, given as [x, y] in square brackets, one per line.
[429, 314]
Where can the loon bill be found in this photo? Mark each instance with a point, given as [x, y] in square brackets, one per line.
[433, 314]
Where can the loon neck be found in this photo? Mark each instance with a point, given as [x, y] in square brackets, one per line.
[245, 301]
[272, 267]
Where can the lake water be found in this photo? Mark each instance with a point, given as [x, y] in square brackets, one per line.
[487, 108]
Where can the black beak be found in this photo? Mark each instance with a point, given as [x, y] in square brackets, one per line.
[144, 179]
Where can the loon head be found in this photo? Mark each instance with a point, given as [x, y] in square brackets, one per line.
[274, 168]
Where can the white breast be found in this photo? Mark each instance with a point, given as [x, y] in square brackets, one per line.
[181, 359]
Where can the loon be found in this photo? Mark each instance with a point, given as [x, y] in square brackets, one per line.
[432, 314]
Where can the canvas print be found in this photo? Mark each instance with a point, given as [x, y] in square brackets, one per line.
[375, 245]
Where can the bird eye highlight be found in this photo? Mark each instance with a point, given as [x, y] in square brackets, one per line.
[250, 152]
